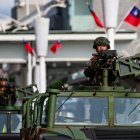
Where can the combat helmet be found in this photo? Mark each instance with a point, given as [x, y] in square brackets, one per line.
[3, 77]
[101, 41]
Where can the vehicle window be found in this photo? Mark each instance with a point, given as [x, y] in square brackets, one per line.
[127, 111]
[3, 123]
[16, 123]
[82, 110]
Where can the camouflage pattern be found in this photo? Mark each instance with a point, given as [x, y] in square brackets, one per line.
[92, 69]
[93, 72]
[101, 41]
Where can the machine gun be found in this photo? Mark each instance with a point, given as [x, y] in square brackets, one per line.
[103, 70]
[122, 67]
[106, 59]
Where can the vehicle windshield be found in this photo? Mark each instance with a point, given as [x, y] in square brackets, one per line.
[127, 111]
[16, 123]
[10, 122]
[82, 110]
[95, 111]
[3, 123]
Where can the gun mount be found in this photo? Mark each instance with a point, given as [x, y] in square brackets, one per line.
[105, 65]
[106, 59]
[108, 66]
[128, 66]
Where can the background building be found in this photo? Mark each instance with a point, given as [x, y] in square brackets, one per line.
[73, 26]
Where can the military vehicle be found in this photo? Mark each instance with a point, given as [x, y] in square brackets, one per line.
[79, 112]
[11, 111]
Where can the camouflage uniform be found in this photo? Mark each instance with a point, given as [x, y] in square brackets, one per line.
[92, 69]
[3, 88]
[3, 83]
[7, 89]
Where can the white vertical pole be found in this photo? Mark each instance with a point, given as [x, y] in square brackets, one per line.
[111, 37]
[27, 7]
[29, 69]
[36, 75]
[110, 12]
[42, 32]
[42, 74]
[29, 59]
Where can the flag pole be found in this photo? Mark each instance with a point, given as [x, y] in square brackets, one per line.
[110, 15]
[119, 26]
[29, 69]
[123, 19]
[42, 49]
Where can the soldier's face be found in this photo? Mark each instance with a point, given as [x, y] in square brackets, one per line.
[3, 82]
[101, 48]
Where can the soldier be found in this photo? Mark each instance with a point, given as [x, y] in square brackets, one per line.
[7, 89]
[3, 83]
[93, 70]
